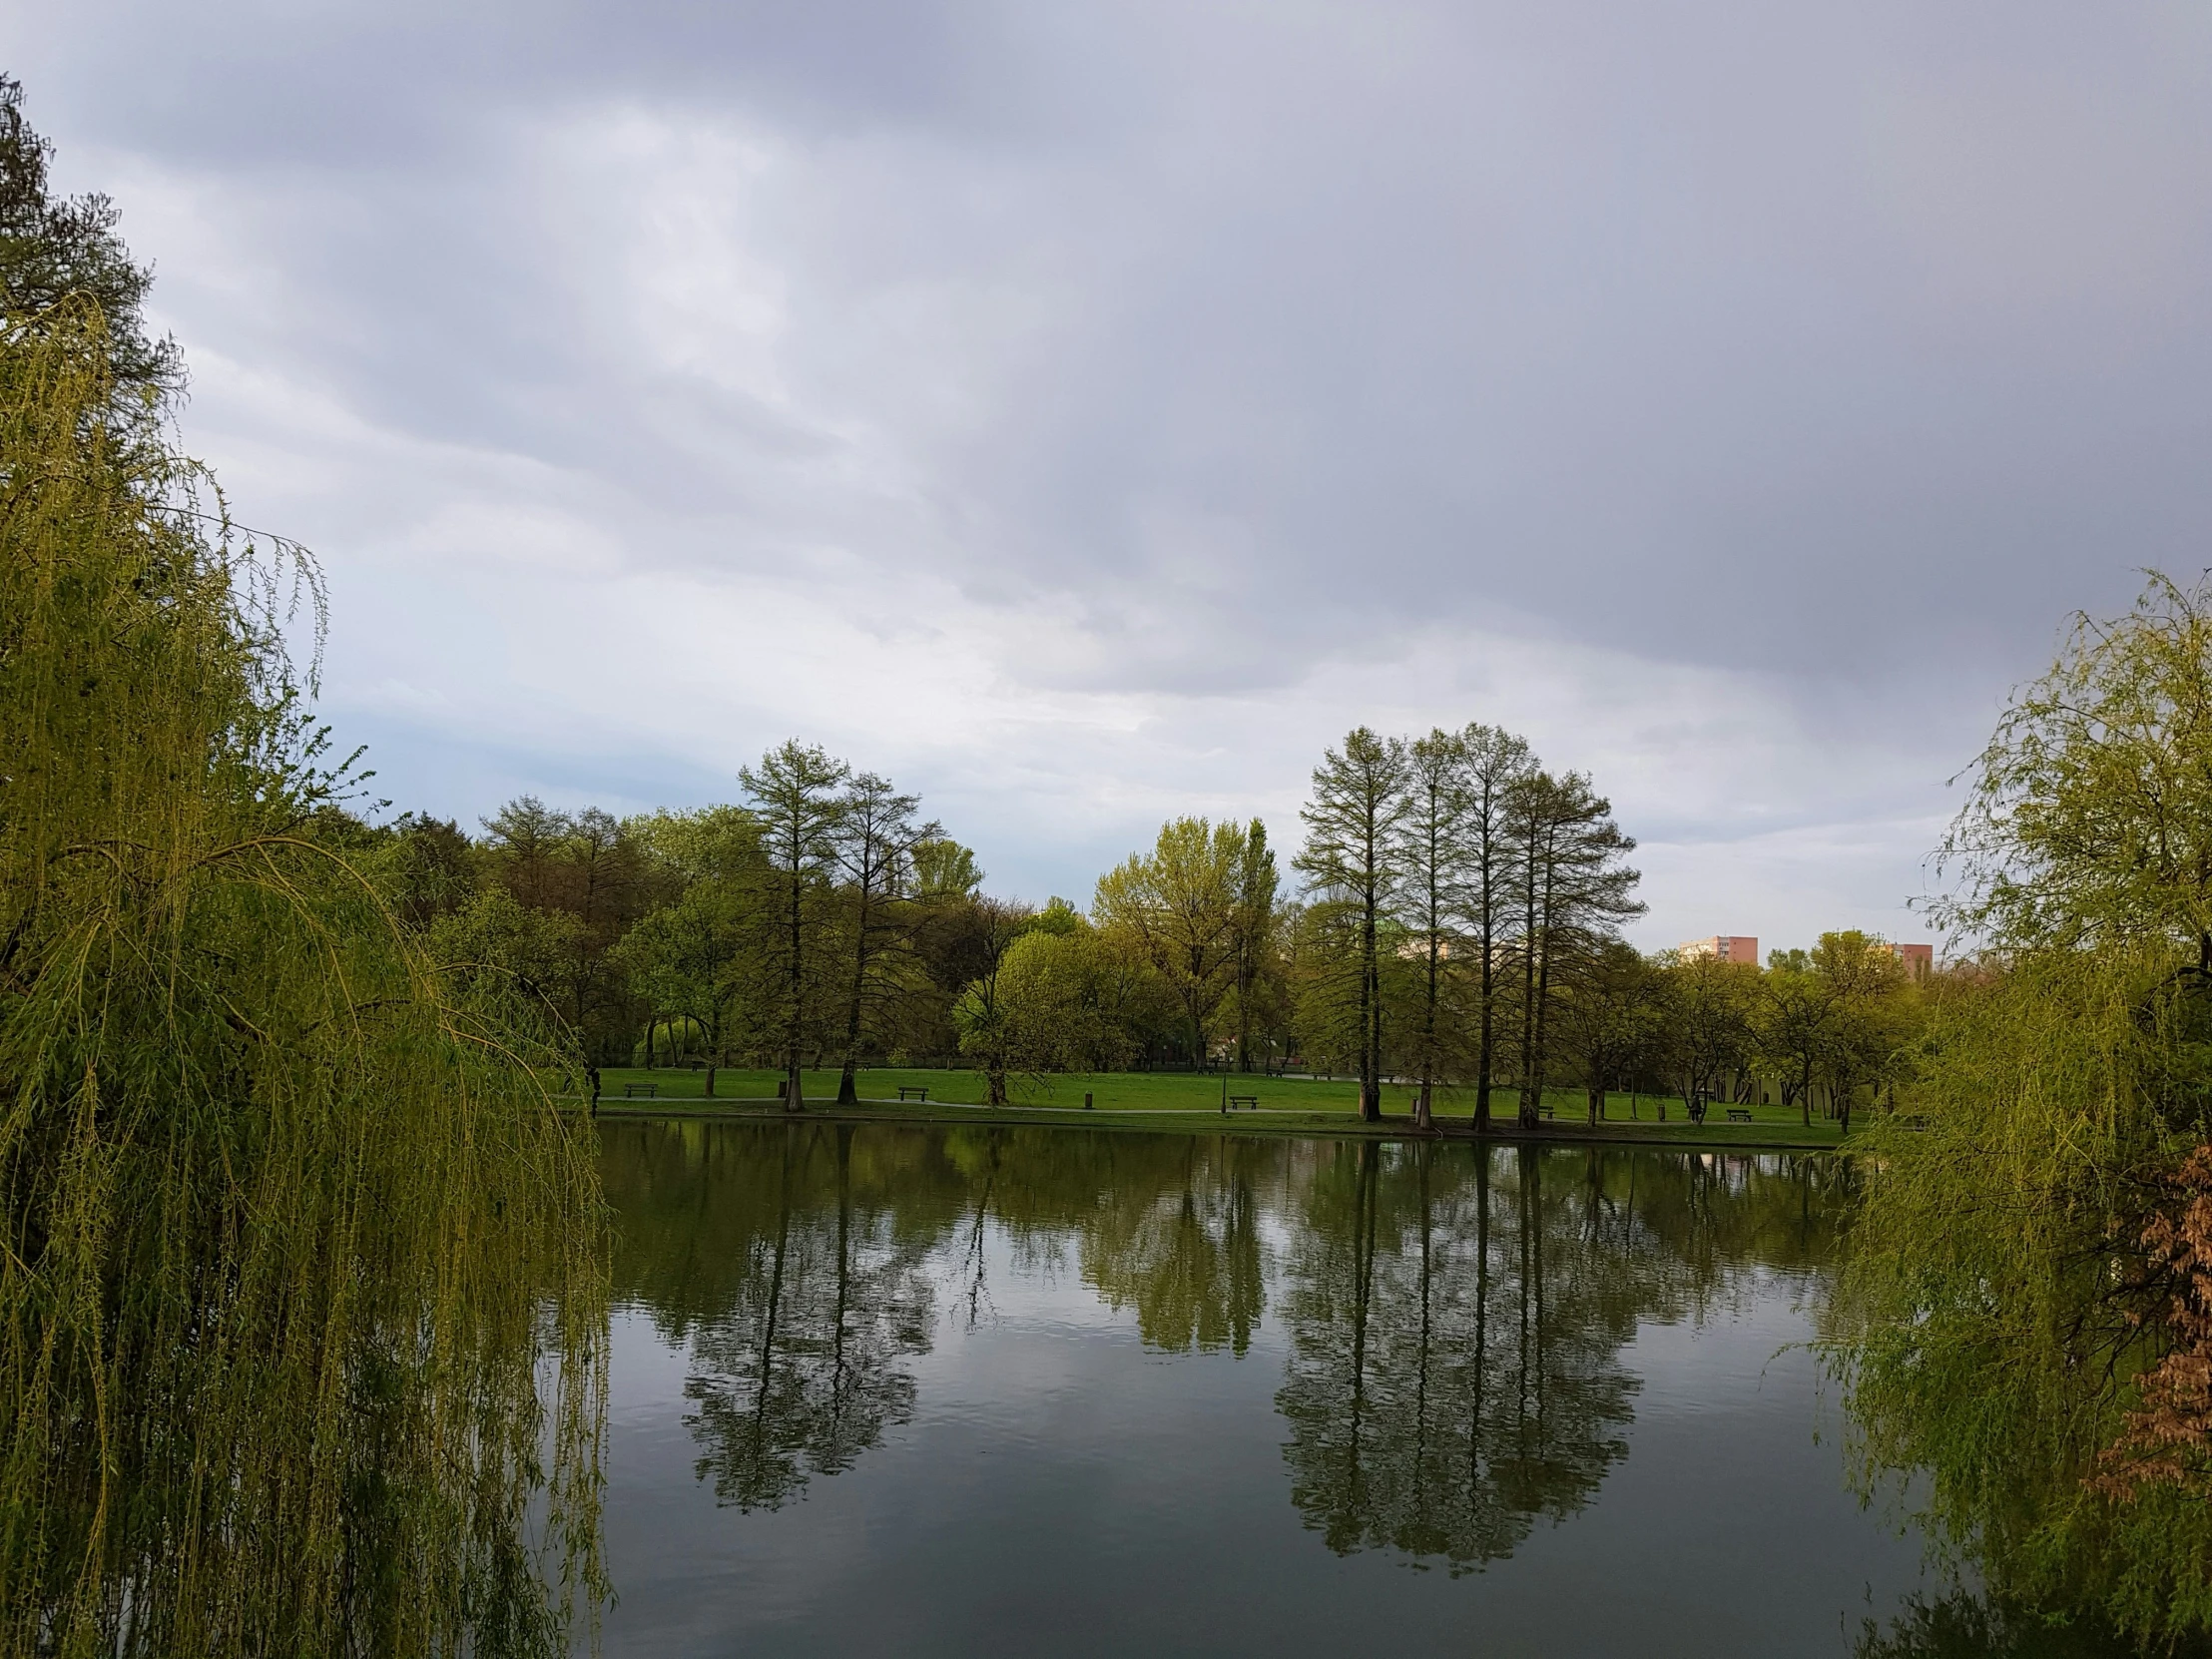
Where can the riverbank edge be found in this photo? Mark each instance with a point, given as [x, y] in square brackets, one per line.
[766, 1109]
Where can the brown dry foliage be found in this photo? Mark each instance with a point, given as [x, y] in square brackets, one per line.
[2168, 1438]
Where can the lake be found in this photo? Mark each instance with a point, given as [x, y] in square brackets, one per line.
[922, 1391]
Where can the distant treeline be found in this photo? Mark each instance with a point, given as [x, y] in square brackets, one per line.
[1456, 929]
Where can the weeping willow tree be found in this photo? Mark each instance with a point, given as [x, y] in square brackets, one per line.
[2012, 1283]
[302, 1288]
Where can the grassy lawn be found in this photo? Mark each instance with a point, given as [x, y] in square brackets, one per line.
[1183, 1096]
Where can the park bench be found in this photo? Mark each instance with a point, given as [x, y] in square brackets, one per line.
[1249, 1101]
[1739, 1114]
[1547, 1110]
[631, 1091]
[917, 1093]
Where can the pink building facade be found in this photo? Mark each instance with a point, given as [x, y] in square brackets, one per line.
[1918, 960]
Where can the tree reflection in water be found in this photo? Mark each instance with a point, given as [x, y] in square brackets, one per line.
[1453, 1315]
[1963, 1626]
[1453, 1367]
[1181, 1245]
[790, 1265]
[1457, 1315]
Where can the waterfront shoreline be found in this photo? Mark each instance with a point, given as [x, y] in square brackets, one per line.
[770, 1108]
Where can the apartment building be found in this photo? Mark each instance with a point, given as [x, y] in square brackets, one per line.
[1723, 947]
[1918, 960]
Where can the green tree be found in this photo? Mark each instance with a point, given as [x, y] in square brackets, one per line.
[2089, 814]
[944, 957]
[991, 1023]
[1254, 920]
[583, 865]
[430, 869]
[795, 797]
[688, 961]
[876, 835]
[494, 939]
[678, 851]
[1868, 1019]
[1497, 765]
[711, 843]
[1352, 826]
[1790, 1020]
[944, 869]
[1179, 905]
[526, 839]
[1574, 892]
[54, 251]
[1063, 1004]
[1610, 1018]
[1431, 854]
[1708, 1007]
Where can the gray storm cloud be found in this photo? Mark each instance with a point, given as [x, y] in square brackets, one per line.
[1085, 412]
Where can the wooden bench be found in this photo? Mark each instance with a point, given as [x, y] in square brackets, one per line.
[1739, 1114]
[917, 1092]
[631, 1091]
[1547, 1110]
[1250, 1102]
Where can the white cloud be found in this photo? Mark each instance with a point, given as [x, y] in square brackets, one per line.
[1085, 417]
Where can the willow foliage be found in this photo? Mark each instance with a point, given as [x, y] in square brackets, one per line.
[1992, 1316]
[2000, 1312]
[302, 1283]
[2089, 819]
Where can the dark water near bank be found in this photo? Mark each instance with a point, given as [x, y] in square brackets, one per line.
[912, 1391]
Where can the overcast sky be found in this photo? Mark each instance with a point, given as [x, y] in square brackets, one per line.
[1083, 414]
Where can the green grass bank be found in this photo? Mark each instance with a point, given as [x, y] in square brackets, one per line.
[1181, 1100]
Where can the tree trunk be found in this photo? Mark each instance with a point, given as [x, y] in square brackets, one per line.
[1534, 1105]
[1485, 1038]
[795, 1098]
[1371, 1084]
[1485, 1052]
[1375, 1047]
[849, 1092]
[1421, 1118]
[1246, 975]
[1543, 912]
[710, 1079]
[1529, 1102]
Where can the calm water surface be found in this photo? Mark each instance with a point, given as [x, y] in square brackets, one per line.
[909, 1391]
